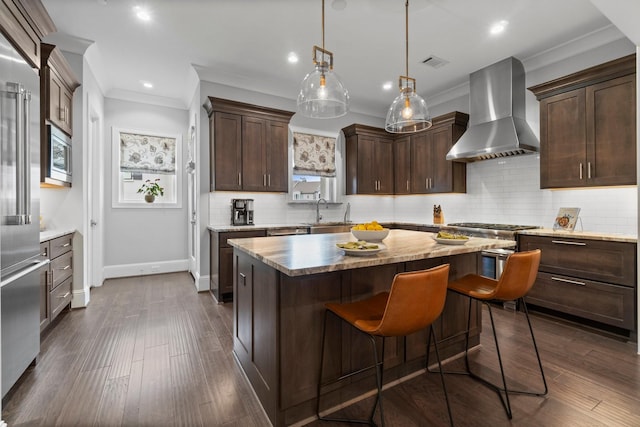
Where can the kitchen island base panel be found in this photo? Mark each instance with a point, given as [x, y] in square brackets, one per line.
[277, 339]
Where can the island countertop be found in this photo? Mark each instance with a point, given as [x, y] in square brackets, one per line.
[317, 253]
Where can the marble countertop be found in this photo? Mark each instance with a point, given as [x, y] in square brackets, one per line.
[548, 232]
[52, 234]
[317, 253]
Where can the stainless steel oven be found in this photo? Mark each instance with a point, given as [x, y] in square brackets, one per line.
[59, 152]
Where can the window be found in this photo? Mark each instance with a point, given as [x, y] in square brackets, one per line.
[141, 157]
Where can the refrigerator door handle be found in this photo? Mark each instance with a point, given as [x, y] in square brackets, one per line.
[23, 201]
[35, 266]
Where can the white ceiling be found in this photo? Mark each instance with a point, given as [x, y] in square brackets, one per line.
[245, 43]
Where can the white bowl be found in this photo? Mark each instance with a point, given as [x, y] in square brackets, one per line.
[370, 235]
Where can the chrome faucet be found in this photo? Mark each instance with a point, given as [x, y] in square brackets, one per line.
[347, 212]
[318, 216]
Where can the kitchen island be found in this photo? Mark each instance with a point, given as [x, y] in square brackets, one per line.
[280, 287]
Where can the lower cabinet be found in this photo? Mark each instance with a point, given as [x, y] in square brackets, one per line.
[56, 282]
[588, 278]
[221, 262]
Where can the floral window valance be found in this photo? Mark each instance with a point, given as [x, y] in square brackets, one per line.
[314, 155]
[147, 153]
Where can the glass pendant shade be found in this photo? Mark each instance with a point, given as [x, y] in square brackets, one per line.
[408, 113]
[322, 95]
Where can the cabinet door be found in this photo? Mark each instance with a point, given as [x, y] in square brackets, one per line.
[563, 150]
[66, 104]
[611, 134]
[367, 176]
[45, 277]
[56, 88]
[254, 137]
[276, 156]
[227, 151]
[420, 162]
[402, 165]
[225, 275]
[441, 168]
[383, 165]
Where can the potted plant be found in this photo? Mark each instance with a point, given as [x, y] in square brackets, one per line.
[151, 190]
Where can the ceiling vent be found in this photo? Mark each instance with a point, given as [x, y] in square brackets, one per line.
[435, 62]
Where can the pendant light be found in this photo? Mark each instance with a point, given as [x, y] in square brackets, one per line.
[322, 95]
[408, 113]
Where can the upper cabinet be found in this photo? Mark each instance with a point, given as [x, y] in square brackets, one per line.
[58, 84]
[588, 127]
[378, 162]
[248, 146]
[369, 160]
[431, 172]
[25, 23]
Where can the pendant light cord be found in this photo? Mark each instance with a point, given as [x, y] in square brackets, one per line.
[406, 37]
[323, 27]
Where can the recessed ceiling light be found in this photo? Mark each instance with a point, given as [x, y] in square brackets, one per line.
[293, 57]
[498, 27]
[142, 13]
[387, 85]
[147, 85]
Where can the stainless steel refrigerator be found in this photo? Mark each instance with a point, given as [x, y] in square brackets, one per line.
[19, 210]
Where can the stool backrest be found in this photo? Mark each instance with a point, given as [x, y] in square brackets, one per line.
[415, 301]
[518, 276]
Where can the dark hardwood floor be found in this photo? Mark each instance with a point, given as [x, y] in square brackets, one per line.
[150, 351]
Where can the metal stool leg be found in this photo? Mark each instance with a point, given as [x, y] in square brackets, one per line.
[378, 366]
[444, 387]
[535, 346]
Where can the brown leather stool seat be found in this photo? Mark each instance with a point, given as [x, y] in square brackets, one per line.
[517, 278]
[415, 301]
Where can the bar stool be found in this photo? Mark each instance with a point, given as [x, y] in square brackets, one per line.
[414, 302]
[518, 276]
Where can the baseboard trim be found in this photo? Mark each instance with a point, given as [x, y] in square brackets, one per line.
[80, 298]
[143, 269]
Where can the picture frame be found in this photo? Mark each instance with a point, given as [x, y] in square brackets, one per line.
[566, 219]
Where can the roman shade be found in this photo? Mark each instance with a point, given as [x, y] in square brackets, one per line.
[314, 155]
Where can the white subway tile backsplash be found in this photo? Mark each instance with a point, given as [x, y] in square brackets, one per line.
[505, 190]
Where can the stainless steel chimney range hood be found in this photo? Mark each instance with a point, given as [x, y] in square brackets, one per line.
[497, 125]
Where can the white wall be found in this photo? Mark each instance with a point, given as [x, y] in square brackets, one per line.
[143, 240]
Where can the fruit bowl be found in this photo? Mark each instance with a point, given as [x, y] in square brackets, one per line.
[370, 235]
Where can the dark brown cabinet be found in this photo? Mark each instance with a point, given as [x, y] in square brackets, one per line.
[25, 23]
[221, 262]
[431, 172]
[588, 127]
[591, 279]
[380, 163]
[369, 160]
[56, 281]
[248, 146]
[58, 84]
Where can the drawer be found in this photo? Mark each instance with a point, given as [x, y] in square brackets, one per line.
[61, 269]
[602, 261]
[61, 245]
[239, 235]
[602, 302]
[45, 249]
[60, 297]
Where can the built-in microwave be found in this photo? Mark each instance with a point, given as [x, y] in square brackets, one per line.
[59, 151]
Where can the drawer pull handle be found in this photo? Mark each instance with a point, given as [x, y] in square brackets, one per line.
[66, 267]
[64, 296]
[244, 279]
[564, 242]
[573, 282]
[66, 245]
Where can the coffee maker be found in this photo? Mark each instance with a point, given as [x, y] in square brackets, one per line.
[241, 211]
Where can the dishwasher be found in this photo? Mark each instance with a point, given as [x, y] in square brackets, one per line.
[288, 231]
